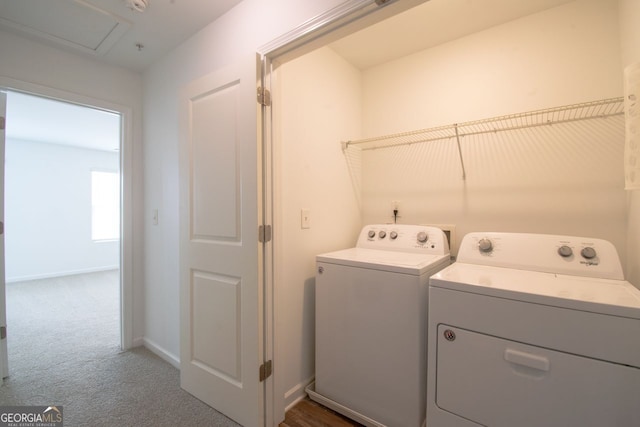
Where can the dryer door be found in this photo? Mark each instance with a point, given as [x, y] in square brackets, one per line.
[497, 382]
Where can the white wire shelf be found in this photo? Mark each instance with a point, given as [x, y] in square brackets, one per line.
[569, 113]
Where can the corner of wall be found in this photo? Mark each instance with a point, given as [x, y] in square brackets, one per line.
[159, 351]
[629, 16]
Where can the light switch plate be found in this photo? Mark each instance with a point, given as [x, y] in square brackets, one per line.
[305, 218]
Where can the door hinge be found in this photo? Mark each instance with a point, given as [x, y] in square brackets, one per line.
[3, 332]
[264, 97]
[2, 123]
[264, 233]
[266, 369]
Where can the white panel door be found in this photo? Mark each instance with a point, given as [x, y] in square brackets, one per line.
[4, 365]
[220, 282]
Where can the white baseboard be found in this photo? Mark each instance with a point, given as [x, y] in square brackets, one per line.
[137, 342]
[61, 274]
[296, 393]
[162, 353]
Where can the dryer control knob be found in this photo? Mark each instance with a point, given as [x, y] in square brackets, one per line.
[588, 252]
[565, 251]
[485, 245]
[393, 235]
[423, 237]
[371, 234]
[382, 234]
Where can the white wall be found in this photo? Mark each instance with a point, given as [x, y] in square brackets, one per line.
[629, 14]
[237, 34]
[560, 56]
[560, 180]
[319, 104]
[48, 211]
[565, 180]
[31, 66]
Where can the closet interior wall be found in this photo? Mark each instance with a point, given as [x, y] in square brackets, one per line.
[564, 179]
[559, 179]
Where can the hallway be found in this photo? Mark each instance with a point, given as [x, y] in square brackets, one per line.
[64, 350]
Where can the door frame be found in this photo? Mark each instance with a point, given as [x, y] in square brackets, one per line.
[4, 356]
[344, 19]
[126, 187]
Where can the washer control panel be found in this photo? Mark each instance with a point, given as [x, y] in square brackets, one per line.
[404, 237]
[578, 256]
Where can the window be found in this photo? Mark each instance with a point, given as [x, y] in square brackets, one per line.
[105, 205]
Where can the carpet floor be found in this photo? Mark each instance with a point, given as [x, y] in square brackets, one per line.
[64, 350]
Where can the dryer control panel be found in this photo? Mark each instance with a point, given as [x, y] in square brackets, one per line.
[405, 238]
[576, 256]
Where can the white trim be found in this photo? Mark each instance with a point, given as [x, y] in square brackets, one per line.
[267, 315]
[296, 393]
[295, 402]
[315, 28]
[346, 18]
[159, 351]
[4, 354]
[126, 173]
[342, 20]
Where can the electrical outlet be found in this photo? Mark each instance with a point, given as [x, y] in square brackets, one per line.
[395, 210]
[305, 218]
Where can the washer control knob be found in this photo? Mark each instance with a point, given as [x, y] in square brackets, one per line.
[371, 234]
[382, 234]
[422, 237]
[485, 246]
[393, 235]
[588, 252]
[565, 251]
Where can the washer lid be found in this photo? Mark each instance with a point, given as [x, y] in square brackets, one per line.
[398, 262]
[605, 296]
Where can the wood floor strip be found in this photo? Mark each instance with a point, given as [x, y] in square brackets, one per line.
[308, 413]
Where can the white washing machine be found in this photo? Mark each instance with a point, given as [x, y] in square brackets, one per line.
[371, 324]
[533, 330]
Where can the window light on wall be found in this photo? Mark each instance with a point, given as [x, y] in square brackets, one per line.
[105, 205]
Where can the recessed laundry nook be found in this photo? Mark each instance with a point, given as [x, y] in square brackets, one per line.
[517, 126]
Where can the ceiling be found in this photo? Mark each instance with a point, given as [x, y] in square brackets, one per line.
[430, 24]
[109, 31]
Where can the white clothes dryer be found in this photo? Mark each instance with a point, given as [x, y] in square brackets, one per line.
[371, 324]
[533, 330]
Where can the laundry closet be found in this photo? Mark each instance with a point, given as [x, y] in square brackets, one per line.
[545, 174]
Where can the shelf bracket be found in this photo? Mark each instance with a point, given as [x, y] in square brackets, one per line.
[464, 173]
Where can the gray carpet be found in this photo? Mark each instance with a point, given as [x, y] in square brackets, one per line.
[64, 350]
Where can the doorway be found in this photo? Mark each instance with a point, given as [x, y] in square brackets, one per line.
[303, 148]
[63, 237]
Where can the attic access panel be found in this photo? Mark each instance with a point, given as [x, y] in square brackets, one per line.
[72, 23]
